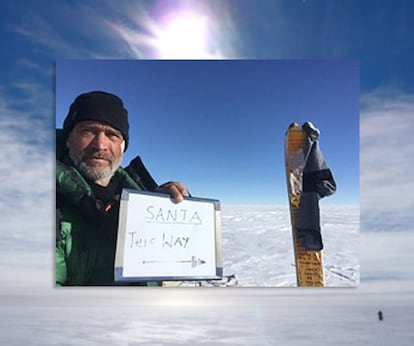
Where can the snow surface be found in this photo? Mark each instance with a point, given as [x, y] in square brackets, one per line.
[308, 324]
[258, 245]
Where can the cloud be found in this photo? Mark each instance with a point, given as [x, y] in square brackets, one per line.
[27, 182]
[41, 31]
[386, 158]
[386, 261]
[69, 33]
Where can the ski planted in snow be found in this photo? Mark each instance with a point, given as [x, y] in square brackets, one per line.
[309, 264]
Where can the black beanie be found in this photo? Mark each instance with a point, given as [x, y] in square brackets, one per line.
[99, 106]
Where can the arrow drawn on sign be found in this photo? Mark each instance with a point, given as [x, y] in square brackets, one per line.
[194, 261]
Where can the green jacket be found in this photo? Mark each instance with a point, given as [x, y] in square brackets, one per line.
[86, 229]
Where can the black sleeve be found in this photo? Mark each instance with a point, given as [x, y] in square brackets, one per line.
[140, 174]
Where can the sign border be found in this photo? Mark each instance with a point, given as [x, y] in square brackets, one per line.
[119, 254]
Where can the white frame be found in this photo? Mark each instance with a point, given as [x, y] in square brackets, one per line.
[135, 243]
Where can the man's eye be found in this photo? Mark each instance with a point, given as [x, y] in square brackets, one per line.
[87, 132]
[114, 135]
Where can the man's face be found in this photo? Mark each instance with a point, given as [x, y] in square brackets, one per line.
[96, 149]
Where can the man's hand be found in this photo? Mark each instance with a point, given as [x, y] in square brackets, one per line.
[174, 188]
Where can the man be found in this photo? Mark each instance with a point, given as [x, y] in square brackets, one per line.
[89, 183]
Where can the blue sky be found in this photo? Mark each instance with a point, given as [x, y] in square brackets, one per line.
[218, 126]
[377, 34]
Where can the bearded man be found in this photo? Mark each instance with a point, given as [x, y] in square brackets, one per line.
[89, 183]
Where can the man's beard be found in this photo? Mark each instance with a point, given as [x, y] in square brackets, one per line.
[93, 172]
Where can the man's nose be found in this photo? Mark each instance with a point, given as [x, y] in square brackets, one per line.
[100, 141]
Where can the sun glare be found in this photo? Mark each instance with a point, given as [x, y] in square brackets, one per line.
[166, 32]
[183, 36]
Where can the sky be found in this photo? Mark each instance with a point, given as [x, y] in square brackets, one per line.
[375, 34]
[219, 126]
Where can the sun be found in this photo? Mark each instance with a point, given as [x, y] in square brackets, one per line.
[183, 35]
[179, 32]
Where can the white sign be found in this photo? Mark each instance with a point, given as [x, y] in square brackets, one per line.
[160, 240]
